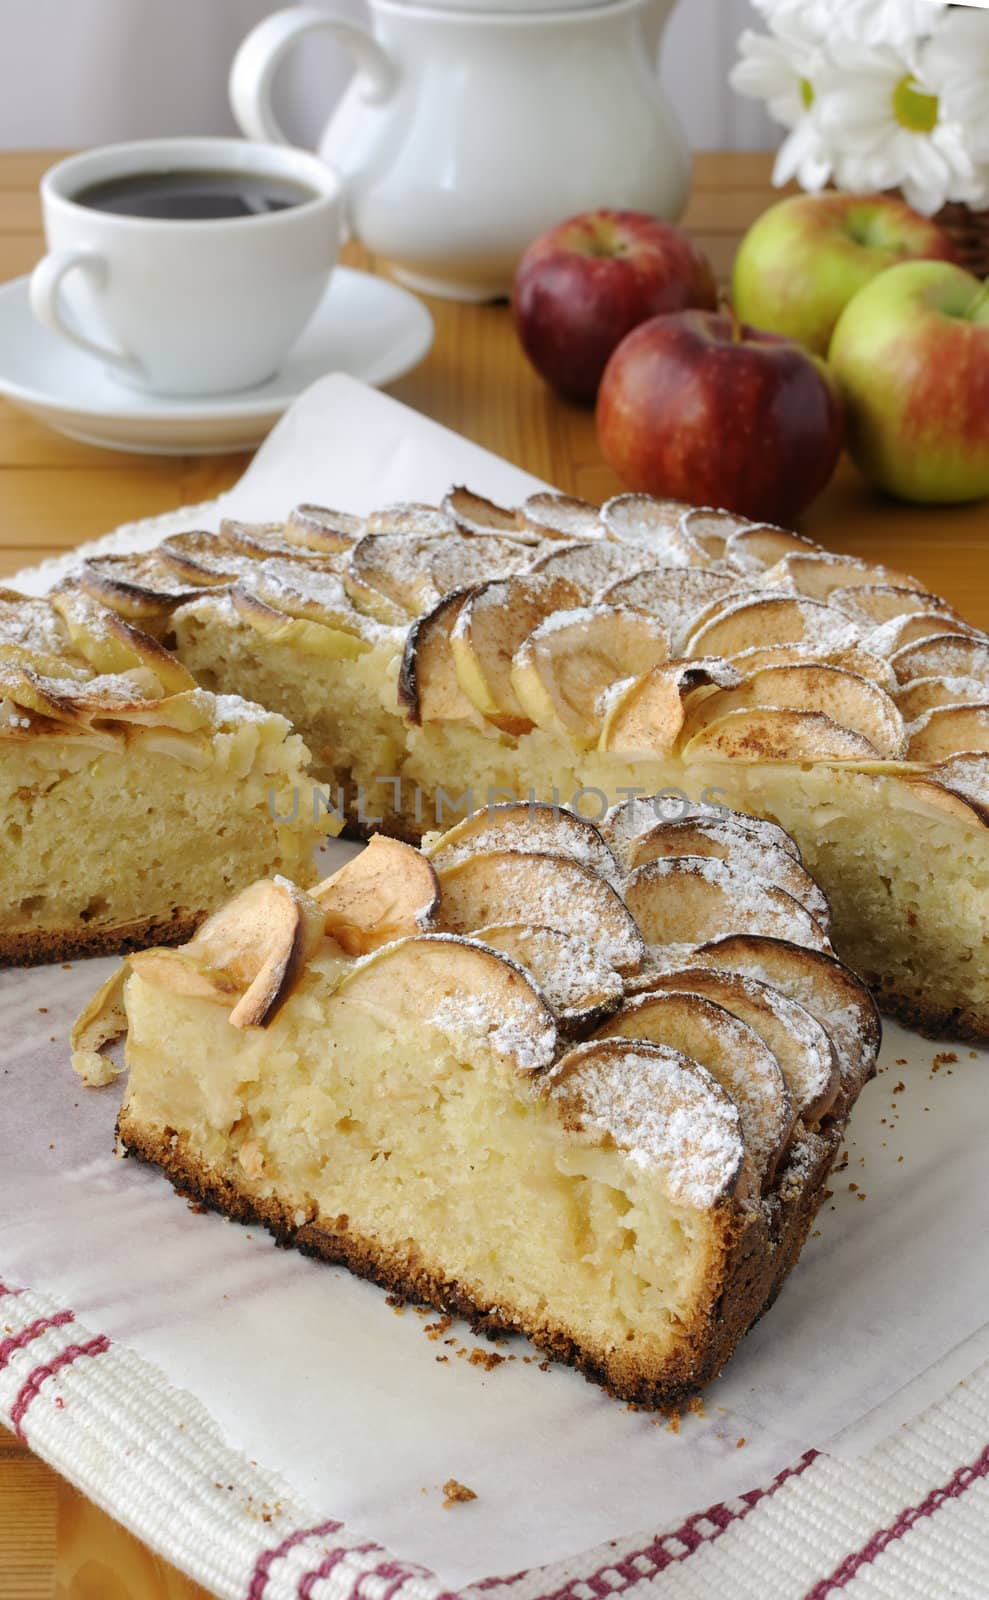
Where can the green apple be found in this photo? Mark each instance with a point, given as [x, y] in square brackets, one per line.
[802, 261]
[910, 356]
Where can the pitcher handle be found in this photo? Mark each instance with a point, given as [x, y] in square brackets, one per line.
[266, 46]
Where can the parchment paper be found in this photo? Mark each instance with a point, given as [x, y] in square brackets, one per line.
[313, 1374]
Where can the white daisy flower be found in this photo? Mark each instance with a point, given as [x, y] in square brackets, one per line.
[882, 121]
[956, 62]
[866, 22]
[780, 68]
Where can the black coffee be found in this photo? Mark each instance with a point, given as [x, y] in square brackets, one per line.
[194, 196]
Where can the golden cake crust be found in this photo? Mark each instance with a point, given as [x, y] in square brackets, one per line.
[760, 1251]
[32, 947]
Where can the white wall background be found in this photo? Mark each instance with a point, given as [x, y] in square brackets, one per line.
[77, 72]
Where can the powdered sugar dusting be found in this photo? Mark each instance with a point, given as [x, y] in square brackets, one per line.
[471, 1019]
[661, 1110]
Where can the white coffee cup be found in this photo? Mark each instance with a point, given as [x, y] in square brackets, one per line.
[186, 307]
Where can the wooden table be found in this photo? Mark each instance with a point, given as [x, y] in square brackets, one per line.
[55, 493]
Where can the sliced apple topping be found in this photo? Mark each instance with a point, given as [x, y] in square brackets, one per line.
[948, 730]
[389, 575]
[735, 1057]
[493, 622]
[112, 645]
[817, 573]
[764, 734]
[410, 516]
[255, 946]
[562, 671]
[473, 514]
[428, 686]
[638, 519]
[461, 562]
[466, 991]
[648, 714]
[703, 533]
[102, 1021]
[141, 588]
[772, 619]
[592, 568]
[853, 658]
[187, 975]
[203, 559]
[659, 1107]
[754, 549]
[926, 694]
[561, 516]
[501, 886]
[676, 595]
[299, 633]
[800, 1044]
[829, 990]
[946, 655]
[259, 540]
[726, 838]
[635, 818]
[892, 638]
[532, 827]
[312, 592]
[966, 776]
[875, 603]
[580, 986]
[851, 701]
[691, 899]
[320, 528]
[389, 891]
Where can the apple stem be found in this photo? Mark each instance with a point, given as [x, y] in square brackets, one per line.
[736, 326]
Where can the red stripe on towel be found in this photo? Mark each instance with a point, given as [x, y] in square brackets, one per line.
[669, 1547]
[34, 1330]
[265, 1561]
[65, 1358]
[884, 1537]
[309, 1579]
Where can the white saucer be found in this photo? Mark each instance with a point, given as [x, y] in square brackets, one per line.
[364, 326]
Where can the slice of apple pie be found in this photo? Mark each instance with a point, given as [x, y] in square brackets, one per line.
[582, 1084]
[132, 801]
[435, 657]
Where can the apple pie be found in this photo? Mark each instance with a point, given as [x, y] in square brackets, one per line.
[132, 801]
[584, 1084]
[434, 658]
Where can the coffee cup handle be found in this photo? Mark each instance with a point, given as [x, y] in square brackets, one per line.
[46, 281]
[261, 54]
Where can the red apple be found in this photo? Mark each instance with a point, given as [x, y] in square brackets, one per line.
[802, 261]
[582, 286]
[910, 356]
[699, 407]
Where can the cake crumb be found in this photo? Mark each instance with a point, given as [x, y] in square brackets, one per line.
[740, 1443]
[42, 1011]
[456, 1494]
[899, 1088]
[488, 1359]
[673, 1426]
[696, 1405]
[943, 1059]
[901, 1061]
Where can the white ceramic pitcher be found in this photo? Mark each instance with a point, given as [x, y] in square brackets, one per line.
[467, 132]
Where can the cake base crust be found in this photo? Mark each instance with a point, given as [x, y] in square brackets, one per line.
[32, 947]
[759, 1255]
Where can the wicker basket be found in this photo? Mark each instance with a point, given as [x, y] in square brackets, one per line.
[968, 231]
